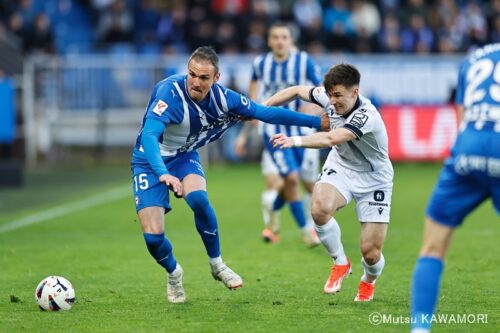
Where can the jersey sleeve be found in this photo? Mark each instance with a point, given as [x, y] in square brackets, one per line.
[165, 105]
[318, 96]
[240, 105]
[360, 122]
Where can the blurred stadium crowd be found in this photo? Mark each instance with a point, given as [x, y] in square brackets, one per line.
[239, 26]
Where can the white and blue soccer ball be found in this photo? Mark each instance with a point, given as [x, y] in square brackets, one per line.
[55, 293]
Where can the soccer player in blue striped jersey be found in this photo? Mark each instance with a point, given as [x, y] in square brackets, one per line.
[470, 176]
[278, 69]
[186, 112]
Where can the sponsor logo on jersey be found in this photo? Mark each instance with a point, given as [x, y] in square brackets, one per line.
[378, 196]
[160, 107]
[358, 120]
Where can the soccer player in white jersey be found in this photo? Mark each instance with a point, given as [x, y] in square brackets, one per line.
[282, 67]
[186, 112]
[469, 177]
[357, 167]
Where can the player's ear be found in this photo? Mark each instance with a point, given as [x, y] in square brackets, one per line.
[355, 91]
[217, 77]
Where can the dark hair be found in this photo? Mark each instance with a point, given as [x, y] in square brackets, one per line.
[342, 74]
[206, 53]
[280, 24]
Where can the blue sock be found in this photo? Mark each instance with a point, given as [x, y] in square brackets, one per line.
[206, 221]
[161, 249]
[279, 202]
[297, 209]
[425, 290]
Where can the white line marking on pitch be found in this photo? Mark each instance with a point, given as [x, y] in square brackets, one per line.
[95, 200]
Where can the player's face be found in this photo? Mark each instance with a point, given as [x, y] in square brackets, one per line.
[342, 98]
[201, 77]
[280, 41]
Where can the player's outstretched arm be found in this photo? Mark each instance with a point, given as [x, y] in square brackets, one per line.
[315, 140]
[289, 94]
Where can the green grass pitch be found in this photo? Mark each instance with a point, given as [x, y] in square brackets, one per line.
[119, 287]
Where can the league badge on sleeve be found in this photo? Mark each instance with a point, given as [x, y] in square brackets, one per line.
[160, 107]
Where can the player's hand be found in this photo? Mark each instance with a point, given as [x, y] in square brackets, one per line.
[325, 122]
[173, 183]
[281, 140]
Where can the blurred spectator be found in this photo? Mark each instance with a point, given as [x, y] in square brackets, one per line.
[388, 37]
[179, 26]
[8, 38]
[366, 19]
[493, 19]
[146, 18]
[472, 21]
[19, 28]
[308, 15]
[338, 24]
[171, 28]
[226, 38]
[417, 38]
[256, 39]
[410, 10]
[116, 23]
[40, 38]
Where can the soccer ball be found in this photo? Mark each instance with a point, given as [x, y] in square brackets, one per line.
[54, 293]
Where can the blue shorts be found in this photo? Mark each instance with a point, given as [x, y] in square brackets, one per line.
[460, 188]
[287, 160]
[150, 192]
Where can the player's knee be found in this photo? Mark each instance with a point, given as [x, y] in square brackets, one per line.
[198, 201]
[430, 249]
[371, 254]
[155, 241]
[320, 212]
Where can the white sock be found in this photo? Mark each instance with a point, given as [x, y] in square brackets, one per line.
[306, 201]
[215, 261]
[373, 270]
[268, 198]
[176, 271]
[329, 234]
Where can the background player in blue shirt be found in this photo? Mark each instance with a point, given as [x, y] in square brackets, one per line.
[186, 112]
[282, 67]
[469, 176]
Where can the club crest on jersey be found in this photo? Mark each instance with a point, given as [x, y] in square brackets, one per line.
[160, 107]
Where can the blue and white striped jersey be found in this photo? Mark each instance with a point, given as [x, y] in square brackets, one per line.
[478, 89]
[273, 76]
[192, 125]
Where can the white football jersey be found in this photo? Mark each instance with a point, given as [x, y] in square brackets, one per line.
[369, 152]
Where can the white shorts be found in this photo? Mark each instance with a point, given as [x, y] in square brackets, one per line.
[308, 169]
[371, 191]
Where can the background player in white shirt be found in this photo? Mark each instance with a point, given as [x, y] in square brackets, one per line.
[282, 67]
[357, 167]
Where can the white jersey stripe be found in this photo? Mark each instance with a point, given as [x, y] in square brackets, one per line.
[219, 111]
[175, 135]
[223, 100]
